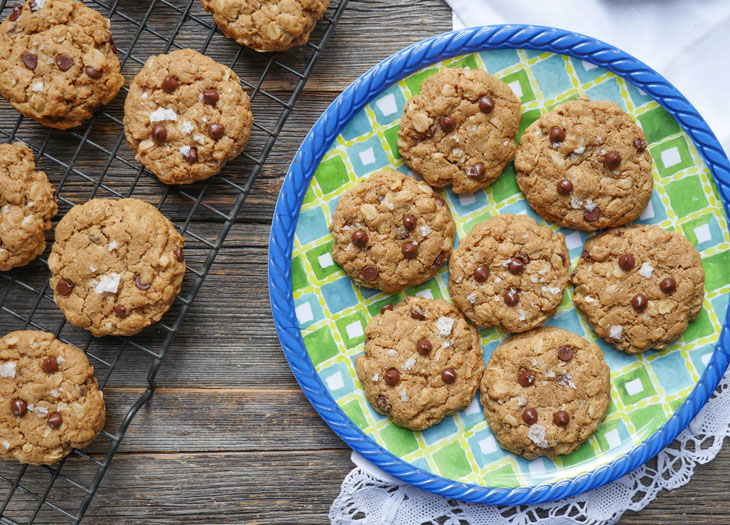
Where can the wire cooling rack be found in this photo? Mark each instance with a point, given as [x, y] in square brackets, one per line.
[95, 161]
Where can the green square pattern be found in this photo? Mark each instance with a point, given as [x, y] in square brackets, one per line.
[456, 449]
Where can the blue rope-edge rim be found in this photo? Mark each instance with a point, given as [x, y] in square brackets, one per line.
[318, 141]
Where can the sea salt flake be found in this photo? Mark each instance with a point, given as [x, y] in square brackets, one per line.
[521, 401]
[554, 290]
[54, 392]
[112, 246]
[555, 145]
[589, 299]
[497, 280]
[187, 127]
[162, 114]
[522, 316]
[537, 435]
[566, 380]
[391, 206]
[185, 151]
[392, 352]
[550, 373]
[533, 279]
[472, 298]
[590, 205]
[580, 150]
[425, 230]
[615, 332]
[576, 203]
[60, 361]
[145, 95]
[5, 444]
[646, 270]
[200, 139]
[41, 411]
[108, 283]
[7, 369]
[409, 364]
[445, 325]
[447, 344]
[37, 86]
[92, 268]
[403, 396]
[376, 377]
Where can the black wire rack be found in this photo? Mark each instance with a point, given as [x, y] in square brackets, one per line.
[95, 161]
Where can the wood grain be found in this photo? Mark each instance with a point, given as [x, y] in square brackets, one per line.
[229, 437]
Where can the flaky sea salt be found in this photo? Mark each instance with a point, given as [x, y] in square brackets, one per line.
[537, 435]
[576, 203]
[521, 401]
[521, 315]
[185, 151]
[409, 364]
[550, 373]
[472, 298]
[108, 283]
[403, 396]
[376, 377]
[41, 411]
[5, 444]
[589, 299]
[615, 332]
[425, 230]
[554, 290]
[7, 369]
[580, 150]
[112, 246]
[447, 344]
[37, 86]
[646, 270]
[162, 114]
[200, 139]
[590, 205]
[54, 392]
[445, 325]
[187, 127]
[392, 352]
[92, 268]
[497, 280]
[59, 360]
[566, 380]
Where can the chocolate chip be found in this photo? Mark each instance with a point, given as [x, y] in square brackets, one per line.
[370, 273]
[565, 353]
[409, 221]
[668, 285]
[563, 258]
[486, 104]
[49, 365]
[526, 378]
[210, 96]
[392, 376]
[120, 311]
[447, 124]
[17, 9]
[511, 297]
[382, 403]
[593, 215]
[565, 187]
[170, 84]
[585, 254]
[30, 60]
[18, 407]
[216, 131]
[440, 259]
[360, 238]
[191, 155]
[639, 302]
[448, 375]
[92, 72]
[159, 133]
[64, 62]
[476, 171]
[418, 315]
[35, 6]
[424, 346]
[439, 200]
[516, 266]
[612, 159]
[481, 273]
[110, 40]
[410, 250]
[386, 308]
[55, 420]
[626, 262]
[529, 416]
[139, 284]
[640, 144]
[561, 418]
[64, 287]
[557, 135]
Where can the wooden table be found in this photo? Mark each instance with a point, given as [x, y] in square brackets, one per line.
[229, 436]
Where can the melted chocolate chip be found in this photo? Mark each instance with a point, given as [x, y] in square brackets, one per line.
[585, 254]
[191, 156]
[392, 376]
[64, 62]
[529, 416]
[439, 200]
[418, 315]
[110, 40]
[668, 285]
[593, 215]
[440, 259]
[626, 262]
[179, 254]
[382, 403]
[557, 135]
[481, 273]
[17, 9]
[18, 407]
[526, 378]
[360, 238]
[64, 287]
[476, 171]
[639, 302]
[516, 266]
[49, 365]
[565, 353]
[612, 159]
[565, 187]
[120, 311]
[511, 297]
[55, 420]
[448, 375]
[424, 346]
[640, 145]
[139, 284]
[486, 104]
[159, 133]
[210, 96]
[370, 273]
[216, 131]
[561, 418]
[170, 84]
[447, 124]
[30, 60]
[410, 250]
[386, 308]
[92, 72]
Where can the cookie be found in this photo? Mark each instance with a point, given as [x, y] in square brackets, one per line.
[639, 286]
[422, 362]
[460, 130]
[585, 165]
[509, 271]
[267, 25]
[26, 207]
[545, 392]
[186, 116]
[116, 266]
[391, 231]
[49, 398]
[59, 62]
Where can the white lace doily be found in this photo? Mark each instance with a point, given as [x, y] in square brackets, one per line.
[370, 496]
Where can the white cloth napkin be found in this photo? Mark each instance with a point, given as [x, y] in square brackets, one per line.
[686, 41]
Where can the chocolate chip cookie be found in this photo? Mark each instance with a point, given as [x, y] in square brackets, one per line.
[49, 398]
[59, 62]
[26, 207]
[460, 130]
[391, 231]
[422, 362]
[639, 286]
[585, 165]
[545, 392]
[186, 116]
[509, 271]
[267, 25]
[116, 266]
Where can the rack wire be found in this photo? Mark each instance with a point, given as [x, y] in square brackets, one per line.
[95, 161]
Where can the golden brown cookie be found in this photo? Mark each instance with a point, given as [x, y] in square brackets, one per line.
[186, 116]
[639, 286]
[58, 62]
[116, 266]
[422, 362]
[509, 271]
[545, 392]
[49, 398]
[267, 25]
[460, 130]
[391, 231]
[585, 165]
[26, 207]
